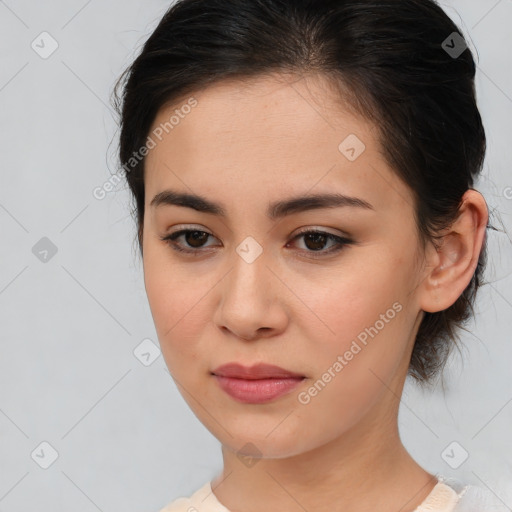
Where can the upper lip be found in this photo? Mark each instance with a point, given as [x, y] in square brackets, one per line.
[257, 371]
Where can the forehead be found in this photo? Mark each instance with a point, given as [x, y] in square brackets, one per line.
[280, 107]
[267, 105]
[266, 133]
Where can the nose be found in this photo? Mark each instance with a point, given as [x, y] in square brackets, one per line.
[252, 303]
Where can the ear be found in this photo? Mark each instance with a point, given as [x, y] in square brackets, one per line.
[452, 264]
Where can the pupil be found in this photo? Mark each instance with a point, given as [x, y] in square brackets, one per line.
[316, 238]
[195, 236]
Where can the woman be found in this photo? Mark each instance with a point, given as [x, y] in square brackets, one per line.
[303, 181]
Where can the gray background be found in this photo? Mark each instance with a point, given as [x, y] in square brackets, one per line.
[71, 322]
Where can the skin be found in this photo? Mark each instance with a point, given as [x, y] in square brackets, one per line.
[245, 145]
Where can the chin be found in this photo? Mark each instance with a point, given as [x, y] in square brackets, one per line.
[263, 446]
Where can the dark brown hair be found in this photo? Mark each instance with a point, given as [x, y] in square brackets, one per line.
[403, 64]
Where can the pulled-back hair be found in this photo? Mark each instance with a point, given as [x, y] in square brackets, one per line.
[402, 64]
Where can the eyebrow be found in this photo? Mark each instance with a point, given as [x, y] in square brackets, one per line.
[275, 210]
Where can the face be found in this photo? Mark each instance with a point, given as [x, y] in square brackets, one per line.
[239, 279]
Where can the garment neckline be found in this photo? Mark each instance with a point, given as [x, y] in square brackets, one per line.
[442, 498]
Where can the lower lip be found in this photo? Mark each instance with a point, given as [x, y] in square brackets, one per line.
[257, 391]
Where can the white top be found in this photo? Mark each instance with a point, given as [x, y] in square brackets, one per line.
[448, 495]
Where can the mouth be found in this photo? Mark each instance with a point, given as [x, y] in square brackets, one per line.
[257, 384]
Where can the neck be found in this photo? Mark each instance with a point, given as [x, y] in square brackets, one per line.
[367, 468]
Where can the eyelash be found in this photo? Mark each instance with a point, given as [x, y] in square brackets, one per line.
[341, 242]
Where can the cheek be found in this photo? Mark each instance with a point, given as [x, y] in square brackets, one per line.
[353, 300]
[353, 368]
[360, 314]
[178, 306]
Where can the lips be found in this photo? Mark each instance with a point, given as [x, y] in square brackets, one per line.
[257, 384]
[258, 371]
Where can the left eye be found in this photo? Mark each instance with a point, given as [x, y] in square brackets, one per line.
[315, 241]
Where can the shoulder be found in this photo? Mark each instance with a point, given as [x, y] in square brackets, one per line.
[202, 500]
[478, 499]
[473, 498]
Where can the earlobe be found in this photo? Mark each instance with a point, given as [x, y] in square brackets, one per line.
[453, 262]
